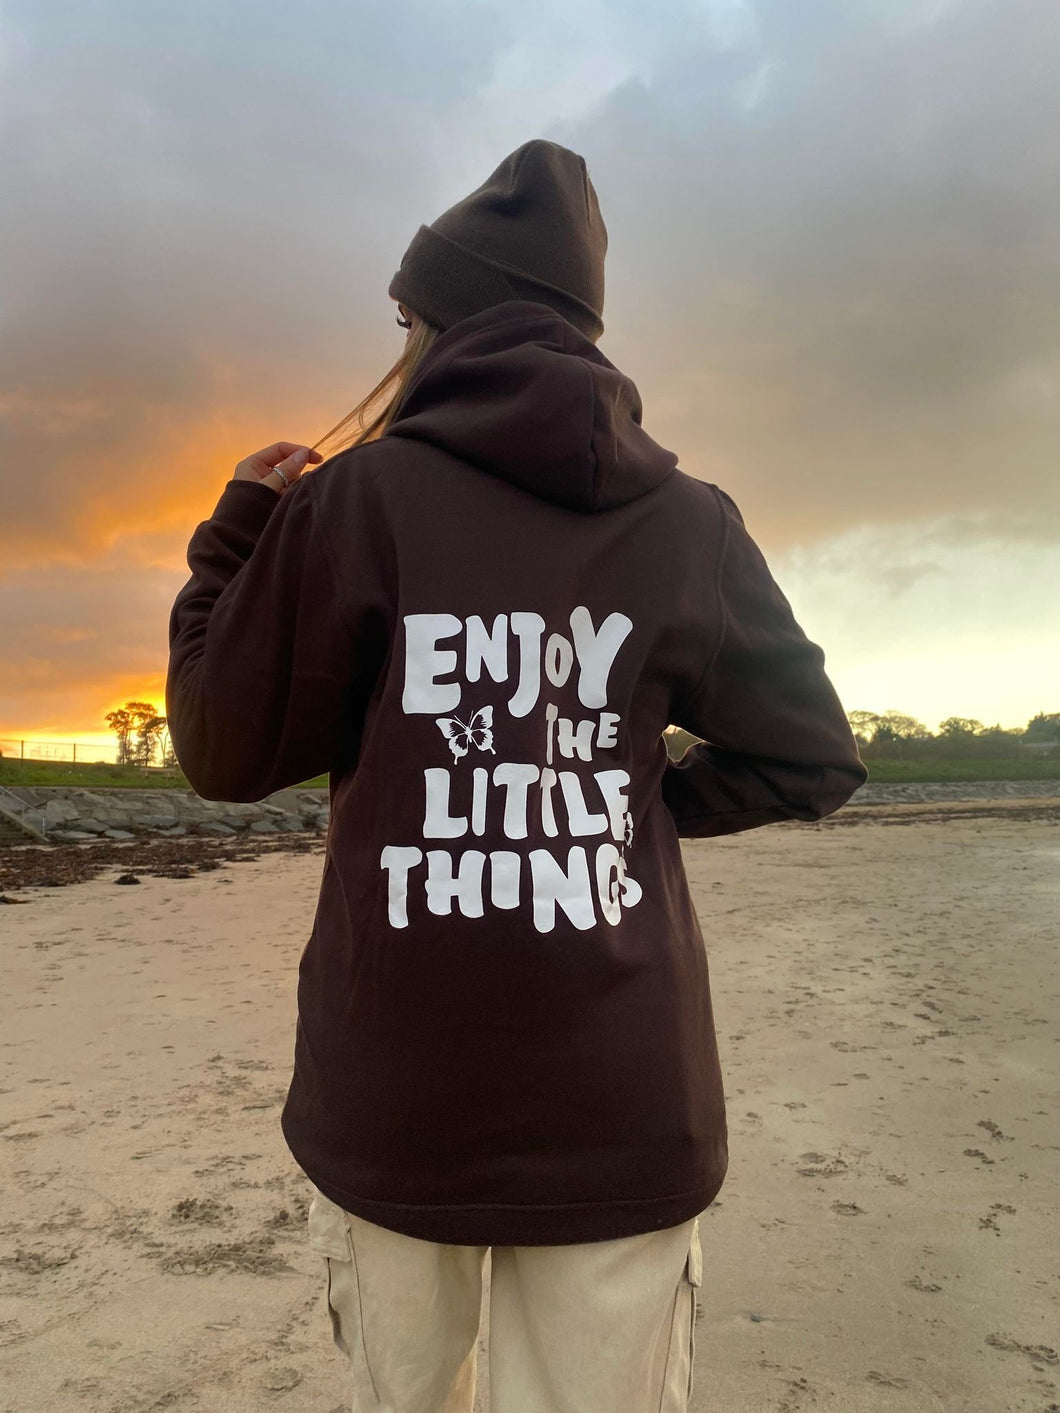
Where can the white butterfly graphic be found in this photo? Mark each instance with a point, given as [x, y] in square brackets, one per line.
[478, 731]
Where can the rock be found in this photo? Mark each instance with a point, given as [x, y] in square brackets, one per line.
[153, 821]
[262, 826]
[173, 831]
[185, 806]
[271, 809]
[239, 812]
[59, 812]
[292, 822]
[897, 793]
[87, 797]
[106, 812]
[70, 836]
[286, 801]
[163, 810]
[91, 826]
[214, 826]
[127, 878]
[120, 834]
[235, 822]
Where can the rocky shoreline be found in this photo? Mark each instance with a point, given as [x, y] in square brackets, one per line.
[935, 792]
[187, 849]
[69, 815]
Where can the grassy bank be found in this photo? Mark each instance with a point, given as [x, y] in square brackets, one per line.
[927, 767]
[939, 771]
[921, 771]
[99, 777]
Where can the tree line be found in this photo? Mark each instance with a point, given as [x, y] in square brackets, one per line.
[142, 734]
[895, 733]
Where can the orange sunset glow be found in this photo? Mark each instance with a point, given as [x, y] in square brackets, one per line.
[839, 314]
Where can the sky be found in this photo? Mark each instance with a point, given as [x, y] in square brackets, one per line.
[833, 273]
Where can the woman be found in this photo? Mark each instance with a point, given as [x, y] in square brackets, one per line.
[479, 619]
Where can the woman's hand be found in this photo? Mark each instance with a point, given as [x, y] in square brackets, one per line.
[289, 456]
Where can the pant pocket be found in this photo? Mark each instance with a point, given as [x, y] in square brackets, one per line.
[329, 1229]
[694, 1276]
[677, 1388]
[329, 1237]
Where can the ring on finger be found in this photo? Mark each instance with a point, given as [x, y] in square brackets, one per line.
[282, 476]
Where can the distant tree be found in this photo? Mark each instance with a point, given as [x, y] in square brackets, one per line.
[149, 730]
[138, 727]
[960, 726]
[1043, 727]
[169, 755]
[903, 728]
[864, 724]
[1008, 734]
[893, 732]
[122, 724]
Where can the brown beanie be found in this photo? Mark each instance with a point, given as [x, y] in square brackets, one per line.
[532, 230]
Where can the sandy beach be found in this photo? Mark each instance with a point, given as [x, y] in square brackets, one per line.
[885, 987]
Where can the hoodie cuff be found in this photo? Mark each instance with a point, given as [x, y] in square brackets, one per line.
[246, 505]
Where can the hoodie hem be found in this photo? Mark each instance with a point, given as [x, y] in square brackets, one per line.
[503, 1224]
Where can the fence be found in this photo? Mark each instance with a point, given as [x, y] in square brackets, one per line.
[79, 752]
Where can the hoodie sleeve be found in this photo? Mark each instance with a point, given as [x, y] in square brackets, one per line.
[271, 659]
[776, 741]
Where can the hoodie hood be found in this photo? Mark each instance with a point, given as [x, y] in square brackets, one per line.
[517, 391]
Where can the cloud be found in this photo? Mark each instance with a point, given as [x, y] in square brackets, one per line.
[833, 267]
[898, 578]
[918, 619]
[840, 298]
[79, 641]
[832, 271]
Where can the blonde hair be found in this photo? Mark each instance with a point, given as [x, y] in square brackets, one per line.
[390, 389]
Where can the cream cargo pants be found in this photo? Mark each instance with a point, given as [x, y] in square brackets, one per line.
[597, 1327]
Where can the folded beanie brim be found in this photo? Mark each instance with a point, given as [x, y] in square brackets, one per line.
[445, 282]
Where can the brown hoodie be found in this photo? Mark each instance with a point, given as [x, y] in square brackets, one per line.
[480, 625]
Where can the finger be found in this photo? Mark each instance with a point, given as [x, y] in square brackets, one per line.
[298, 459]
[286, 454]
[292, 467]
[279, 451]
